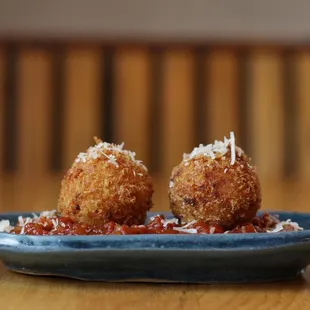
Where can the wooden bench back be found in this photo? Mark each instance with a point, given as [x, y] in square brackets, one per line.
[160, 100]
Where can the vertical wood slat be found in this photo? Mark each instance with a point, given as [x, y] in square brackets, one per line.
[222, 95]
[82, 118]
[178, 107]
[2, 133]
[2, 81]
[108, 93]
[57, 117]
[302, 63]
[34, 111]
[155, 110]
[82, 111]
[132, 97]
[7, 186]
[266, 113]
[33, 119]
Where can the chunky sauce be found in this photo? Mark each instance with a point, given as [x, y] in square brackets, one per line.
[57, 225]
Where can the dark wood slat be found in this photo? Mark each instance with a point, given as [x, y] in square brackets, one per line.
[57, 116]
[244, 81]
[155, 127]
[200, 89]
[107, 94]
[267, 113]
[2, 103]
[82, 101]
[131, 106]
[221, 94]
[178, 101]
[290, 130]
[302, 71]
[10, 110]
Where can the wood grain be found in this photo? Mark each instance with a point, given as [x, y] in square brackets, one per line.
[35, 187]
[222, 95]
[178, 107]
[132, 98]
[34, 110]
[82, 101]
[2, 133]
[33, 119]
[266, 113]
[50, 293]
[302, 63]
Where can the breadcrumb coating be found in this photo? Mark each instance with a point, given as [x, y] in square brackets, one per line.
[108, 186]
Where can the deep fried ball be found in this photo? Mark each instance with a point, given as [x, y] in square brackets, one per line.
[216, 184]
[106, 184]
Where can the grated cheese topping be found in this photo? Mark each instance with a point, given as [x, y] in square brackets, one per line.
[48, 213]
[100, 149]
[171, 221]
[212, 230]
[55, 224]
[5, 226]
[189, 224]
[281, 226]
[186, 230]
[216, 150]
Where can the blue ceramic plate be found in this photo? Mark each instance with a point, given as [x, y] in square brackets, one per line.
[229, 258]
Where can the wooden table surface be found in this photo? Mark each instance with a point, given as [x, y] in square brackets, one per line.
[31, 292]
[27, 292]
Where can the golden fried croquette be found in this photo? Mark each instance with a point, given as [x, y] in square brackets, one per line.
[216, 184]
[106, 184]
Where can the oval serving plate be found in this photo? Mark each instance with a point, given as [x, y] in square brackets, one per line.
[229, 258]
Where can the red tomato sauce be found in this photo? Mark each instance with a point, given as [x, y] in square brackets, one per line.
[58, 225]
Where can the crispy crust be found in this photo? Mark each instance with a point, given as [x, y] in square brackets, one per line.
[214, 191]
[97, 191]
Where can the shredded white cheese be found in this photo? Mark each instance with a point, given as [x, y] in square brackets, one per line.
[100, 149]
[171, 221]
[280, 226]
[55, 224]
[165, 222]
[48, 213]
[232, 148]
[35, 215]
[5, 226]
[216, 150]
[171, 184]
[153, 217]
[189, 224]
[22, 232]
[186, 230]
[22, 222]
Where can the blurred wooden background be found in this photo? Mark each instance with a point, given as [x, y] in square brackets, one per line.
[161, 100]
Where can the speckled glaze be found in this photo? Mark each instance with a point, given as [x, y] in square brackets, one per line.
[232, 258]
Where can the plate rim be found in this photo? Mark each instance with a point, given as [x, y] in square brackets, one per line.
[156, 242]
